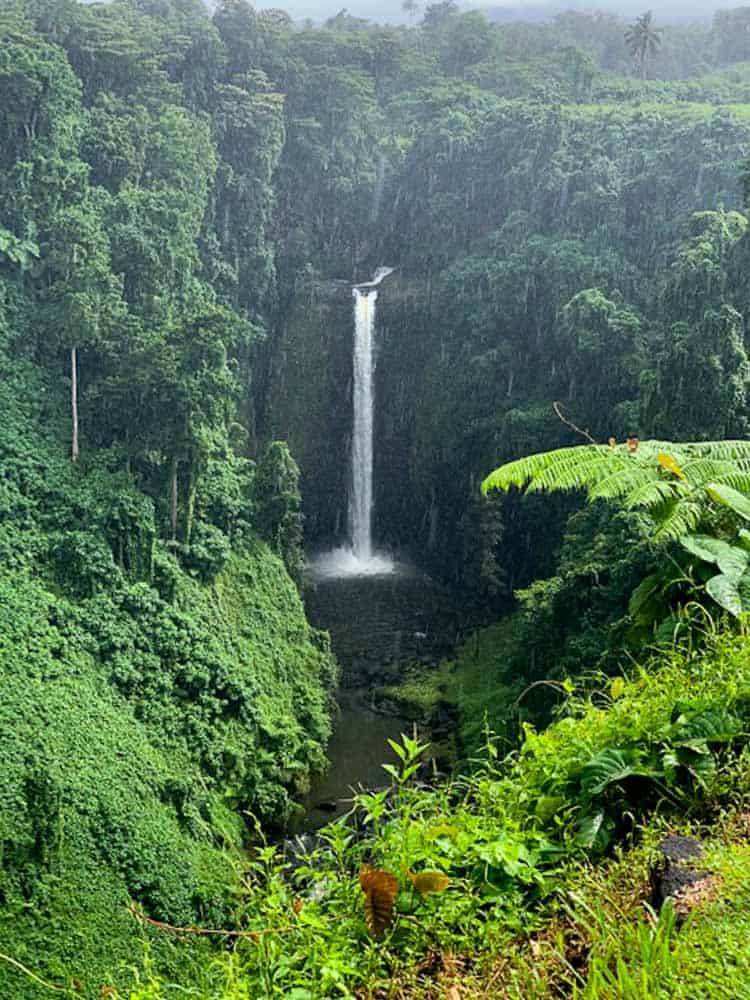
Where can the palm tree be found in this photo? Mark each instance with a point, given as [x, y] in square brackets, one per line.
[643, 41]
[411, 7]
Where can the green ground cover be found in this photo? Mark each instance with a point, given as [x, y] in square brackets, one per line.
[547, 856]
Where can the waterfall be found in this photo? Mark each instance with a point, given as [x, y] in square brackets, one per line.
[359, 557]
[360, 501]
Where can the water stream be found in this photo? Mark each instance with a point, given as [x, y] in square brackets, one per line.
[359, 557]
[360, 504]
[382, 615]
[379, 625]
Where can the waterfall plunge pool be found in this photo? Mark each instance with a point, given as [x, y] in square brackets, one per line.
[344, 562]
[382, 624]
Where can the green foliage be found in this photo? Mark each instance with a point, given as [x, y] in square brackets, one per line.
[634, 952]
[512, 837]
[673, 482]
[278, 506]
[143, 709]
[559, 235]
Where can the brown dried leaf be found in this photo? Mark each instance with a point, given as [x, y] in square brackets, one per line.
[380, 889]
[426, 882]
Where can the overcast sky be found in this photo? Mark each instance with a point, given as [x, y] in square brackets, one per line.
[391, 10]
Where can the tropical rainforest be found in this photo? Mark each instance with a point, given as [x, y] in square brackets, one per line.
[186, 199]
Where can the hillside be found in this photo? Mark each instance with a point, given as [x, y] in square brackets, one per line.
[186, 202]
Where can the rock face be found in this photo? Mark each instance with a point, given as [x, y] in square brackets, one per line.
[673, 878]
[306, 384]
[307, 401]
[678, 849]
[378, 624]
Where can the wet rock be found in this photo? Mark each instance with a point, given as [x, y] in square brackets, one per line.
[673, 878]
[328, 805]
[678, 849]
[443, 720]
[673, 882]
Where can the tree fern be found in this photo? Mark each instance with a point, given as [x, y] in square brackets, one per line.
[648, 494]
[676, 517]
[674, 483]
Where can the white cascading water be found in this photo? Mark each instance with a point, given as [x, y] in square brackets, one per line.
[360, 500]
[359, 559]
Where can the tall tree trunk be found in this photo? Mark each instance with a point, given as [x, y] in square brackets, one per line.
[190, 511]
[173, 500]
[75, 450]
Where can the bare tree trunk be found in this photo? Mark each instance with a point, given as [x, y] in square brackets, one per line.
[190, 512]
[75, 450]
[173, 500]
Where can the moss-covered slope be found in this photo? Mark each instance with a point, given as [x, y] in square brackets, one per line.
[144, 714]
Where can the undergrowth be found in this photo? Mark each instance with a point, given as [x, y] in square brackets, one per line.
[530, 904]
[144, 708]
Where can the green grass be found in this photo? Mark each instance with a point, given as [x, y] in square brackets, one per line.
[478, 682]
[632, 955]
[712, 953]
[422, 689]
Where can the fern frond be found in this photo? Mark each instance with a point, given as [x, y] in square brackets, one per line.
[652, 493]
[579, 472]
[731, 451]
[676, 518]
[551, 466]
[624, 480]
[700, 471]
[739, 481]
[637, 480]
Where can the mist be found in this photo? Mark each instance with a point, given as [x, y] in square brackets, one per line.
[391, 11]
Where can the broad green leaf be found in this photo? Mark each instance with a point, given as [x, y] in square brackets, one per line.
[607, 767]
[507, 853]
[731, 559]
[731, 498]
[715, 725]
[743, 586]
[668, 630]
[595, 830]
[640, 596]
[547, 806]
[724, 590]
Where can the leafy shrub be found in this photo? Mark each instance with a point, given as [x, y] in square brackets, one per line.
[503, 844]
[209, 551]
[83, 562]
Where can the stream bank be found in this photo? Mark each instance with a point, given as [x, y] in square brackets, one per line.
[380, 627]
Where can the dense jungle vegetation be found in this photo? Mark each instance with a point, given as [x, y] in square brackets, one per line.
[185, 201]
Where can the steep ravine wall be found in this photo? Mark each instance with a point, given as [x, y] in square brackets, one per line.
[308, 403]
[308, 399]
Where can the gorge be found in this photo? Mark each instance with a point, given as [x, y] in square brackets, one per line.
[382, 615]
[199, 393]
